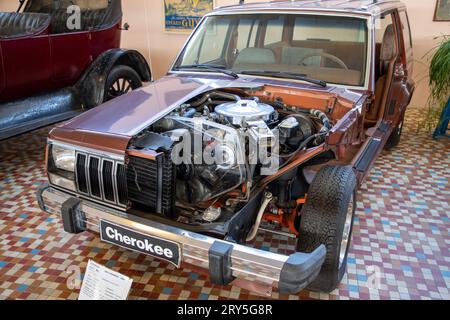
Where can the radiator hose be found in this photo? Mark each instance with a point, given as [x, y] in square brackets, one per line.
[326, 125]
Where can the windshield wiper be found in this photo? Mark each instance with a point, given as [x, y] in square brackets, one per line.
[285, 75]
[211, 68]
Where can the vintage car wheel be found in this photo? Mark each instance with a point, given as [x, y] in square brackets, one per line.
[327, 218]
[121, 80]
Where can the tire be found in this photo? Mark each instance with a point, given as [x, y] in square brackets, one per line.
[330, 205]
[395, 137]
[121, 80]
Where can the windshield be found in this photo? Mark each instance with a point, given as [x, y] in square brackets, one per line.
[328, 48]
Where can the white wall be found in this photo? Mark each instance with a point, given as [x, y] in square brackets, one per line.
[147, 35]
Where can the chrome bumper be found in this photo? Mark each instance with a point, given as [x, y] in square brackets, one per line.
[290, 274]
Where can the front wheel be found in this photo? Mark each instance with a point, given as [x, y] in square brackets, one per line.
[121, 80]
[327, 218]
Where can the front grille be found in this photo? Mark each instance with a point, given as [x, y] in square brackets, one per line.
[142, 182]
[107, 177]
[102, 179]
[94, 177]
[81, 174]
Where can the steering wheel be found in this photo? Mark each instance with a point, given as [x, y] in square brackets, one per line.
[324, 55]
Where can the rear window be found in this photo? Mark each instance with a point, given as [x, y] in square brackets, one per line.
[274, 31]
[329, 29]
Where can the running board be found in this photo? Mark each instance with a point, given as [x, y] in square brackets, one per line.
[365, 159]
[28, 114]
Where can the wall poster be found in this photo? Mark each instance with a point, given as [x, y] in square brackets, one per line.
[442, 12]
[184, 15]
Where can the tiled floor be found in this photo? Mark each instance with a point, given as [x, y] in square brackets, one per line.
[400, 248]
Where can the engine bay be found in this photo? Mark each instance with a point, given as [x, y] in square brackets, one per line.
[202, 163]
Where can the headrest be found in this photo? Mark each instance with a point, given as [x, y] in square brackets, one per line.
[388, 45]
[255, 56]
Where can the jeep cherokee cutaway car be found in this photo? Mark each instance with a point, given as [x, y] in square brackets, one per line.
[173, 169]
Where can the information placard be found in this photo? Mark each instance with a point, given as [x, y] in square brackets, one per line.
[101, 283]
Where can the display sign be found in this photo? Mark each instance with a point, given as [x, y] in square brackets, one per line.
[126, 238]
[101, 283]
[184, 15]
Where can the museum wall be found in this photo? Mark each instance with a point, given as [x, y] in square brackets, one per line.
[146, 18]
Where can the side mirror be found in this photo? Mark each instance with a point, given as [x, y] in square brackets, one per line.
[125, 27]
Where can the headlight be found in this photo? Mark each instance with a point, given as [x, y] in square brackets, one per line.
[63, 158]
[62, 182]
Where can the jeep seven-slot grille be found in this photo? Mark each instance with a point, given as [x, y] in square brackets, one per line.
[94, 177]
[108, 184]
[147, 183]
[81, 174]
[101, 179]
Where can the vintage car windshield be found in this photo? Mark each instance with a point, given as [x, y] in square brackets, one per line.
[328, 48]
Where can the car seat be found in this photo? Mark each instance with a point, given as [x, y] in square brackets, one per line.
[249, 56]
[293, 56]
[387, 54]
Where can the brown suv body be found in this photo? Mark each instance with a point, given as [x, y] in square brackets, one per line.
[352, 122]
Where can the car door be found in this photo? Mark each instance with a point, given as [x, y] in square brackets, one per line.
[70, 56]
[26, 66]
[2, 71]
[398, 96]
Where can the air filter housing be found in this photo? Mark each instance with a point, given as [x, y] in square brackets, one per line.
[240, 112]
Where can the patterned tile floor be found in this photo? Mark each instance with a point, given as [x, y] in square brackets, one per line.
[400, 248]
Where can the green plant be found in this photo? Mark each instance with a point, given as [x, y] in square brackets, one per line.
[439, 84]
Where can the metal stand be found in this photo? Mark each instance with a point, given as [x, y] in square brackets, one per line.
[442, 128]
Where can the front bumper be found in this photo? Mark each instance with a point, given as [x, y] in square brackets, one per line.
[224, 260]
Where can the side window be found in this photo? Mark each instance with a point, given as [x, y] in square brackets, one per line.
[247, 30]
[381, 24]
[406, 30]
[274, 31]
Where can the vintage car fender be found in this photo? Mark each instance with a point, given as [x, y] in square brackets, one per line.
[91, 85]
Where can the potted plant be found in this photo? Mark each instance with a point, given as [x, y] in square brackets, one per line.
[439, 85]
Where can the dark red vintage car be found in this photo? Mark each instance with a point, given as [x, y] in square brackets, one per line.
[58, 58]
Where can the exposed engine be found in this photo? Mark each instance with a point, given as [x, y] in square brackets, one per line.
[214, 149]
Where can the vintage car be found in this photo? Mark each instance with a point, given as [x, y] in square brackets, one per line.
[269, 120]
[58, 58]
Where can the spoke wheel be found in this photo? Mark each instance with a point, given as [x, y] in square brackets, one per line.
[120, 87]
[121, 80]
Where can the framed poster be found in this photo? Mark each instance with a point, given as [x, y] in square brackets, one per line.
[182, 16]
[442, 12]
